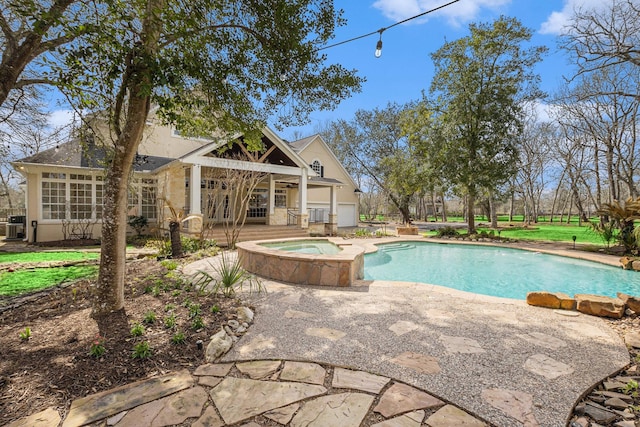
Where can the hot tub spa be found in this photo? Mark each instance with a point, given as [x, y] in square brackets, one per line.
[319, 262]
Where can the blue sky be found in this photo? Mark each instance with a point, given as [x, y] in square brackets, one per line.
[405, 68]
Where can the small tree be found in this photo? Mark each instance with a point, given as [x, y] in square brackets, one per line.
[138, 223]
[624, 215]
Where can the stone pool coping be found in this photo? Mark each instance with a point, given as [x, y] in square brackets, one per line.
[341, 269]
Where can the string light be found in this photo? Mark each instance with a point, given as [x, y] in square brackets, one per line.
[378, 51]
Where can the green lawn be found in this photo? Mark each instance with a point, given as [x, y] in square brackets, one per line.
[47, 256]
[24, 281]
[554, 233]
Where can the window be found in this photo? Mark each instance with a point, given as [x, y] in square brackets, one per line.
[142, 197]
[317, 167]
[54, 200]
[71, 196]
[281, 198]
[258, 203]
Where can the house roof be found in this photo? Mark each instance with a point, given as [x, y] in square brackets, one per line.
[73, 154]
[301, 144]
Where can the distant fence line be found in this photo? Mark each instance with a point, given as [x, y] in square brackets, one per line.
[5, 213]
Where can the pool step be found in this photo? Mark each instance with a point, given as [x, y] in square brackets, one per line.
[393, 247]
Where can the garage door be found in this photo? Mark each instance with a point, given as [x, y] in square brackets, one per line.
[346, 215]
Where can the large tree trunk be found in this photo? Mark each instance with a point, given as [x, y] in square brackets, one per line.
[108, 303]
[471, 218]
[176, 243]
[492, 212]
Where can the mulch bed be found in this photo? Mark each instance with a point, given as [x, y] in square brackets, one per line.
[54, 366]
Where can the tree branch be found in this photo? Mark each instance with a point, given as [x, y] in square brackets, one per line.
[8, 33]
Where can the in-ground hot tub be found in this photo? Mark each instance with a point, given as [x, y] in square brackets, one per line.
[304, 261]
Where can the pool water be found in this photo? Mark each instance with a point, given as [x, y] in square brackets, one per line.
[500, 272]
[316, 247]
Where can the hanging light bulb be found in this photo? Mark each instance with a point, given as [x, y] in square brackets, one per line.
[378, 52]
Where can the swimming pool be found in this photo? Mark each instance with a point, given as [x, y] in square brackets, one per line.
[324, 247]
[496, 271]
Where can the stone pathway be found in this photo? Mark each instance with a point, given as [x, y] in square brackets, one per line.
[261, 393]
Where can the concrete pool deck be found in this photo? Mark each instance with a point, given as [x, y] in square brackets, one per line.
[502, 360]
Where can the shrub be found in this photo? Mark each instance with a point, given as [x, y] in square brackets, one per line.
[178, 338]
[142, 350]
[170, 321]
[97, 348]
[149, 318]
[137, 330]
[447, 231]
[232, 277]
[138, 223]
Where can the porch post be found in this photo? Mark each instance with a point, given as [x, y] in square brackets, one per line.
[331, 228]
[271, 208]
[303, 214]
[195, 193]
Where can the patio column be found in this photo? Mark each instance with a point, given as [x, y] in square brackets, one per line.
[331, 228]
[271, 208]
[195, 193]
[303, 213]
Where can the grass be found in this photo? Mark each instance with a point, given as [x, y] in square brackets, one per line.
[553, 233]
[47, 256]
[23, 281]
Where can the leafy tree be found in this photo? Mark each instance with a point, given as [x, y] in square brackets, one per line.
[481, 82]
[211, 68]
[375, 144]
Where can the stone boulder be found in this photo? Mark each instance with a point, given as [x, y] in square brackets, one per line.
[219, 345]
[551, 300]
[630, 301]
[626, 262]
[635, 265]
[598, 305]
[244, 314]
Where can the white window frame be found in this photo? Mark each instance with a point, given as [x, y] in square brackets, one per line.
[66, 180]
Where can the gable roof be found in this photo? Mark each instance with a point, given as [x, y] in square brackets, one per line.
[73, 154]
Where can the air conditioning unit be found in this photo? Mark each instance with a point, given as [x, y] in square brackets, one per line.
[13, 229]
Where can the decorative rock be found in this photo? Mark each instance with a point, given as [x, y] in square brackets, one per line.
[516, 404]
[599, 415]
[344, 410]
[546, 366]
[310, 373]
[450, 416]
[630, 301]
[358, 380]
[551, 300]
[233, 324]
[580, 422]
[614, 394]
[626, 423]
[219, 345]
[111, 421]
[257, 397]
[616, 403]
[46, 418]
[418, 362]
[245, 314]
[401, 398]
[598, 305]
[626, 262]
[258, 369]
[635, 265]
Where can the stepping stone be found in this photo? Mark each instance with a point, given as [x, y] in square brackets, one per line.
[450, 416]
[461, 345]
[330, 334]
[310, 373]
[402, 327]
[412, 419]
[516, 404]
[632, 339]
[258, 369]
[107, 403]
[170, 410]
[543, 340]
[209, 381]
[209, 419]
[418, 362]
[213, 369]
[239, 399]
[344, 410]
[401, 398]
[546, 366]
[358, 380]
[257, 344]
[48, 417]
[283, 415]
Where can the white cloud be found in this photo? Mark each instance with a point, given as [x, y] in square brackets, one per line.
[59, 118]
[557, 22]
[463, 11]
